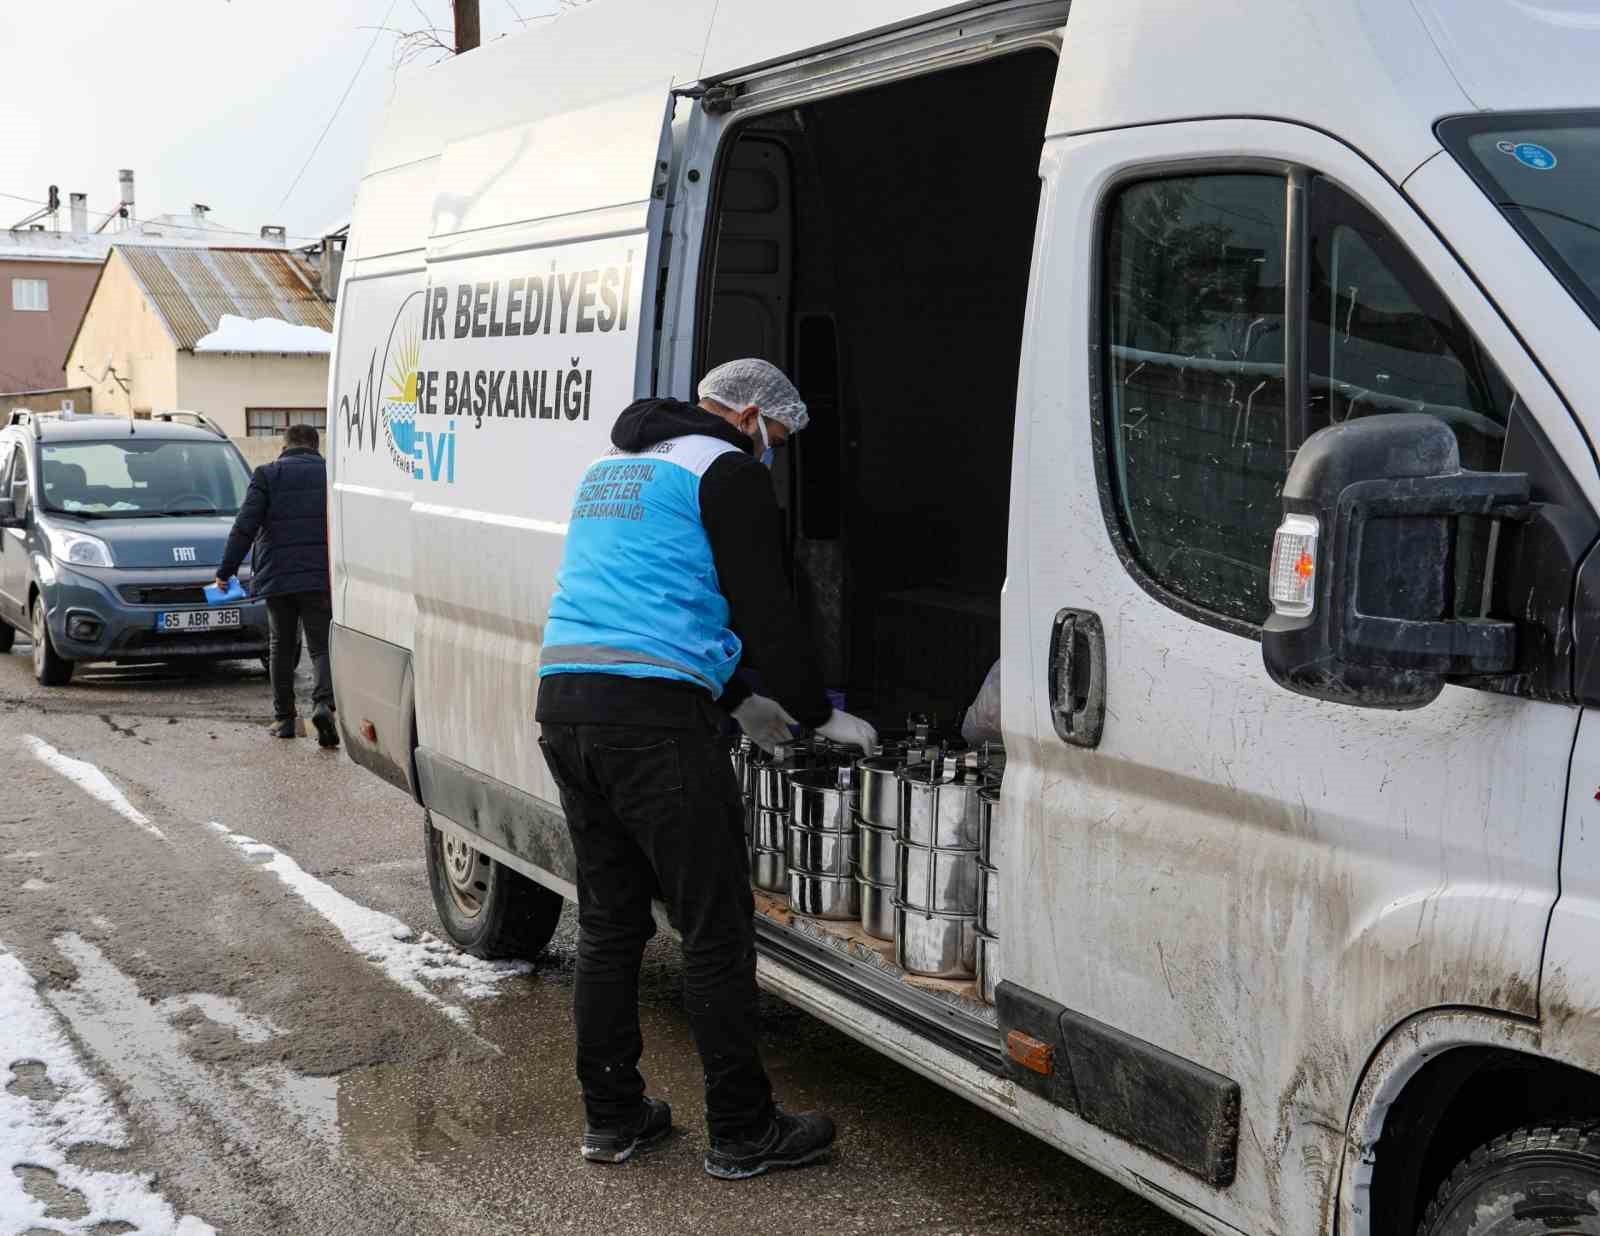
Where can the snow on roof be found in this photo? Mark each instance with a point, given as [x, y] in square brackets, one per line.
[168, 231]
[236, 334]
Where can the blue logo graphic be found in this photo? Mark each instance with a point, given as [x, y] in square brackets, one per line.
[1529, 154]
[433, 454]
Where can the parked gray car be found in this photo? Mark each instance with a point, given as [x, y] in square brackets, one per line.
[109, 530]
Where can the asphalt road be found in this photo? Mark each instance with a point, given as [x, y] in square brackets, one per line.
[206, 923]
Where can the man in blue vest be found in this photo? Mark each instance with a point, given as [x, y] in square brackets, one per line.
[671, 578]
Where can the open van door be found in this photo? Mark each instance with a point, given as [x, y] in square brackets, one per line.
[537, 328]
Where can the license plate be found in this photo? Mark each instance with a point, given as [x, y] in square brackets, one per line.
[184, 621]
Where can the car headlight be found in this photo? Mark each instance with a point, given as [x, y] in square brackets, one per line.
[77, 548]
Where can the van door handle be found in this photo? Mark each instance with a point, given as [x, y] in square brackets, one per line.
[1078, 677]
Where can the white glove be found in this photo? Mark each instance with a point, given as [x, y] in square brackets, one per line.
[765, 721]
[849, 731]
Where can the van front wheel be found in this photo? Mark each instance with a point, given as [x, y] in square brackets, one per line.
[1534, 1182]
[485, 908]
[51, 669]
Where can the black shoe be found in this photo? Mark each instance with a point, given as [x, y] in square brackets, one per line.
[282, 729]
[789, 1141]
[327, 731]
[619, 1145]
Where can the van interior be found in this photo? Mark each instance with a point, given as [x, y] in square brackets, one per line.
[876, 246]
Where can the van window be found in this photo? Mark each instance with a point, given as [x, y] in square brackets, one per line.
[1195, 341]
[1195, 335]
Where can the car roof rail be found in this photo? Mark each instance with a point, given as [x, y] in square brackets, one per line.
[20, 416]
[199, 418]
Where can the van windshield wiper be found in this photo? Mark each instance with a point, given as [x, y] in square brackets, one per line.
[208, 510]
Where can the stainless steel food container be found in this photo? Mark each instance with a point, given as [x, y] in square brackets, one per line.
[935, 945]
[879, 790]
[945, 881]
[770, 830]
[769, 870]
[988, 819]
[989, 975]
[877, 909]
[820, 896]
[822, 853]
[877, 854]
[749, 819]
[939, 807]
[988, 900]
[772, 786]
[744, 754]
[823, 799]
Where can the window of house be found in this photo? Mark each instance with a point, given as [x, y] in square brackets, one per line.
[1198, 326]
[271, 422]
[30, 294]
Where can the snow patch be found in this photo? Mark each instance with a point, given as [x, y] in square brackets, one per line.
[92, 782]
[383, 939]
[35, 886]
[39, 1132]
[225, 1011]
[236, 334]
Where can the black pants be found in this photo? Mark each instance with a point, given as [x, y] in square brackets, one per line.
[657, 810]
[287, 612]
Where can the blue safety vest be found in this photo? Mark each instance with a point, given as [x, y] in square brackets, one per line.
[637, 591]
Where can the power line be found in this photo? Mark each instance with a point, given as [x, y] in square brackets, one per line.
[377, 34]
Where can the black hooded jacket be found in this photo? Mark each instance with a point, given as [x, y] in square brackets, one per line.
[743, 524]
[285, 514]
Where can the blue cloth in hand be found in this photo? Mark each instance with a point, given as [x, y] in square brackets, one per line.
[221, 596]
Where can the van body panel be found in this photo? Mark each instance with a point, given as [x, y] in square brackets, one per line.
[1569, 995]
[372, 682]
[1509, 55]
[1258, 883]
[1135, 62]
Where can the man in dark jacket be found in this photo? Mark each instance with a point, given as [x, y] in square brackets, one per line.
[285, 514]
[671, 575]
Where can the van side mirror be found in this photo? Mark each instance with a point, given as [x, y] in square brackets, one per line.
[1362, 573]
[8, 514]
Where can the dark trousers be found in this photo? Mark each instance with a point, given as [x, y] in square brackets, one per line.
[657, 810]
[287, 613]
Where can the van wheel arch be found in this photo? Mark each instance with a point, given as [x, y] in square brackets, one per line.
[485, 908]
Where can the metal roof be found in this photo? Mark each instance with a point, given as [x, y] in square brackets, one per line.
[192, 288]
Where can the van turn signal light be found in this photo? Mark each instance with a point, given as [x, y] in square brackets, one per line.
[369, 731]
[1033, 1054]
[1293, 578]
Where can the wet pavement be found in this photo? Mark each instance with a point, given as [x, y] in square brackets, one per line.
[249, 977]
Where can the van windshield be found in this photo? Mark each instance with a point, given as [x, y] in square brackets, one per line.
[129, 478]
[1542, 169]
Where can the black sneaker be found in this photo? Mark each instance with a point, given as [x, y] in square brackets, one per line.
[619, 1145]
[789, 1141]
[327, 731]
[282, 729]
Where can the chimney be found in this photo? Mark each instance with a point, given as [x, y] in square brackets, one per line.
[79, 212]
[332, 264]
[199, 211]
[125, 190]
[274, 233]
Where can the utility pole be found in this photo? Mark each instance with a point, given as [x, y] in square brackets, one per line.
[466, 14]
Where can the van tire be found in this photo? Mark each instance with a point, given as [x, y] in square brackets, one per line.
[8, 636]
[1521, 1184]
[49, 668]
[485, 908]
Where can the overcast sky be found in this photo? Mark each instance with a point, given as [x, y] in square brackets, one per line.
[213, 101]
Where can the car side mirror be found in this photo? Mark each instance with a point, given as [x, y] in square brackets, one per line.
[8, 514]
[1362, 572]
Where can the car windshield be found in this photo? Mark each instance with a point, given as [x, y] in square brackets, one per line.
[1542, 169]
[129, 478]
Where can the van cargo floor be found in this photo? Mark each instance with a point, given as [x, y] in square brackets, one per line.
[851, 943]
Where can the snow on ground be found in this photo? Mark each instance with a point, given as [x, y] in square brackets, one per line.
[236, 334]
[92, 781]
[49, 1104]
[383, 939]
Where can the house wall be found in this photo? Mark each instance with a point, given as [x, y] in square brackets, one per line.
[224, 384]
[48, 401]
[122, 327]
[33, 344]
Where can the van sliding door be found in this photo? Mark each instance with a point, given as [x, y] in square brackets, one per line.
[537, 328]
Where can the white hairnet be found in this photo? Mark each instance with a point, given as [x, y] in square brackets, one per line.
[740, 383]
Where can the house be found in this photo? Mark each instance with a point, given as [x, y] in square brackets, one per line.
[45, 281]
[150, 340]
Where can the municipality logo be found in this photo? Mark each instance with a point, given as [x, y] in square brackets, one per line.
[399, 407]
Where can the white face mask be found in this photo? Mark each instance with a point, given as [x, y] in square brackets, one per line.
[766, 442]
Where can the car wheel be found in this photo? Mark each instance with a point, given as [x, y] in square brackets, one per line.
[1533, 1182]
[486, 909]
[8, 636]
[49, 668]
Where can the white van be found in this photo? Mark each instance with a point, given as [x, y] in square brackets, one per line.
[1301, 857]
